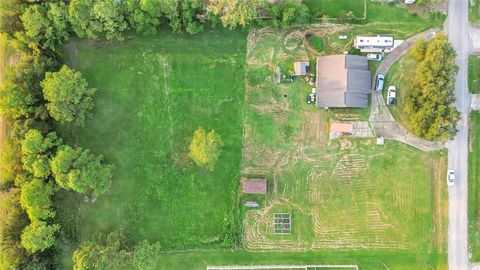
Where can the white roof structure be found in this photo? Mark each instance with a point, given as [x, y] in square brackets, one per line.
[377, 41]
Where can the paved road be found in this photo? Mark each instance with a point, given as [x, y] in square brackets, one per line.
[457, 27]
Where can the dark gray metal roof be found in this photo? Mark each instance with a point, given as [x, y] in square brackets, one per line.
[356, 62]
[343, 81]
[359, 81]
[356, 100]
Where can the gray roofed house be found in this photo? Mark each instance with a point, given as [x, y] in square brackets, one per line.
[343, 81]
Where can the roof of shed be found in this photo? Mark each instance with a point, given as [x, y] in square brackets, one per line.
[300, 68]
[341, 127]
[254, 186]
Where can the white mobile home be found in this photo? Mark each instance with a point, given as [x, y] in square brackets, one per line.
[380, 43]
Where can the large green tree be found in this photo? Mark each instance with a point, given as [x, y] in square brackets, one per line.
[38, 236]
[69, 99]
[429, 103]
[20, 93]
[12, 221]
[184, 15]
[235, 13]
[46, 24]
[145, 255]
[96, 19]
[10, 11]
[101, 253]
[143, 16]
[36, 199]
[37, 151]
[81, 171]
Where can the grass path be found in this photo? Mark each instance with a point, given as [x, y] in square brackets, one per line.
[167, 102]
[474, 186]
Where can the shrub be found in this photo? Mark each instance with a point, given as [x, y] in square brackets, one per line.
[317, 43]
[205, 148]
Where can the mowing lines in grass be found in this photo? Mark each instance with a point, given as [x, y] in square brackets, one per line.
[284, 267]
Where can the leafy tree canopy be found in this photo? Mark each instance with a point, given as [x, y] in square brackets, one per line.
[69, 99]
[37, 151]
[96, 19]
[36, 199]
[205, 148]
[20, 93]
[145, 255]
[10, 11]
[143, 16]
[235, 13]
[81, 171]
[46, 24]
[38, 236]
[101, 253]
[429, 103]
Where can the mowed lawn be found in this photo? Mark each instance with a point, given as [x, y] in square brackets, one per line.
[153, 93]
[474, 11]
[474, 74]
[400, 75]
[474, 187]
[333, 8]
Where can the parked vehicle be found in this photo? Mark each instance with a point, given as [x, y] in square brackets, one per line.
[374, 57]
[450, 177]
[380, 82]
[391, 95]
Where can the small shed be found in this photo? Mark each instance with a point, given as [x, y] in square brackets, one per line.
[301, 68]
[343, 128]
[254, 186]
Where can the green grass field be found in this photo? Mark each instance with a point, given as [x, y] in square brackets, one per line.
[317, 43]
[400, 75]
[153, 94]
[364, 259]
[474, 74]
[333, 8]
[474, 11]
[474, 187]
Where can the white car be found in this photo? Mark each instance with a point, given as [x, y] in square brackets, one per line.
[374, 57]
[450, 177]
[391, 95]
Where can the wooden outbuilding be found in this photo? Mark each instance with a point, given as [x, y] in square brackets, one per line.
[254, 186]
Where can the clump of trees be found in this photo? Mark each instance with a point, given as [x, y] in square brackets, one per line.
[111, 252]
[80, 170]
[429, 104]
[205, 148]
[46, 24]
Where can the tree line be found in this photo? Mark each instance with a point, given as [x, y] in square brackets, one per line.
[47, 25]
[38, 93]
[429, 103]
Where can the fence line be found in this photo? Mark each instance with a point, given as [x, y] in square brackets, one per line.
[271, 267]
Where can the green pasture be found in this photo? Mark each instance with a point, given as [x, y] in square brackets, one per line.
[153, 93]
